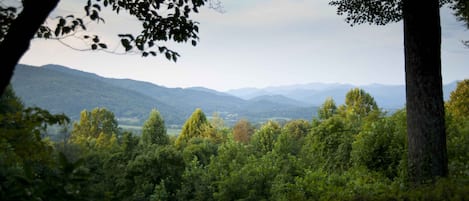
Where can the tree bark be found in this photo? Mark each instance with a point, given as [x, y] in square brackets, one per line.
[19, 35]
[427, 157]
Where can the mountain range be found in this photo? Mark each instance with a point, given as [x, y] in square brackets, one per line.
[64, 90]
[387, 96]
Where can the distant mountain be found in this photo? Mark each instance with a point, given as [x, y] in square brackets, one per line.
[314, 94]
[60, 89]
[248, 93]
[278, 99]
[64, 90]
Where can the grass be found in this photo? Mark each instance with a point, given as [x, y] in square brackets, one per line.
[138, 130]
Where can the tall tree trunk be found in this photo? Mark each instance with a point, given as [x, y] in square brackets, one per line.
[19, 35]
[427, 157]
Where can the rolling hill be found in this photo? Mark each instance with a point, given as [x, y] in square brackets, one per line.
[64, 90]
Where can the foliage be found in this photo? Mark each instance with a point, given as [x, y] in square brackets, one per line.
[379, 12]
[332, 159]
[380, 147]
[264, 139]
[458, 104]
[97, 128]
[158, 165]
[154, 130]
[161, 21]
[199, 149]
[242, 131]
[195, 126]
[457, 126]
[329, 145]
[358, 104]
[290, 141]
[461, 8]
[10, 102]
[328, 109]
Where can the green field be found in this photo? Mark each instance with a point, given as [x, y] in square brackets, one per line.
[138, 130]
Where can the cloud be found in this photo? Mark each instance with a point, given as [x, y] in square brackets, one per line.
[272, 13]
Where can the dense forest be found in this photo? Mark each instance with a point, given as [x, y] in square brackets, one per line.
[353, 151]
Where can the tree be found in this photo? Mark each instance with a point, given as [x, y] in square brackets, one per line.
[193, 127]
[458, 104]
[457, 114]
[422, 47]
[22, 29]
[165, 20]
[380, 147]
[22, 129]
[96, 128]
[9, 102]
[327, 109]
[264, 139]
[161, 167]
[359, 103]
[291, 140]
[242, 131]
[154, 130]
[461, 8]
[329, 145]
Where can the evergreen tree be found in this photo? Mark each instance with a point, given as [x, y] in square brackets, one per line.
[195, 126]
[154, 130]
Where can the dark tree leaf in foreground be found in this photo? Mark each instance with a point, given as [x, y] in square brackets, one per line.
[161, 21]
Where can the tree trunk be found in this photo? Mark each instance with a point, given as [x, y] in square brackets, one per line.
[19, 35]
[427, 156]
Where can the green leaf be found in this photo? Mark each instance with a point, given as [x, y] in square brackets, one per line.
[94, 47]
[96, 39]
[168, 55]
[145, 54]
[194, 43]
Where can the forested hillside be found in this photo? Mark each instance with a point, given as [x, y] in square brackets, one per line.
[351, 151]
[63, 90]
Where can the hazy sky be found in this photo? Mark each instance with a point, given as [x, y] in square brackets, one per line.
[258, 43]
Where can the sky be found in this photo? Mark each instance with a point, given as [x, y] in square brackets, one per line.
[260, 43]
